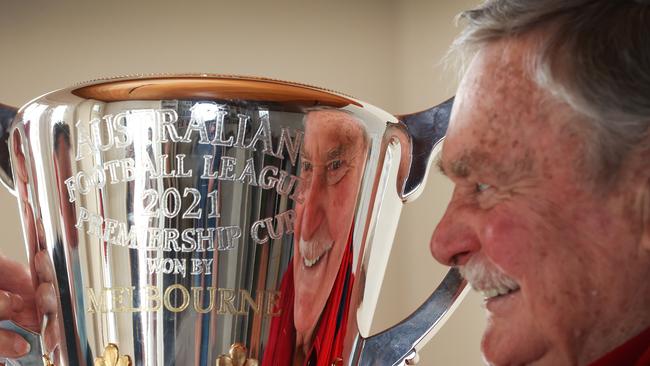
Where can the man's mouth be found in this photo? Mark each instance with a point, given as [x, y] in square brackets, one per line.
[312, 251]
[499, 291]
[487, 279]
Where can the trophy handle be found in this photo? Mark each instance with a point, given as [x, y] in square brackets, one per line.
[425, 130]
[7, 114]
[401, 343]
[422, 133]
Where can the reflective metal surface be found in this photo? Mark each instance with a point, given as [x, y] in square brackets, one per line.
[214, 220]
[402, 342]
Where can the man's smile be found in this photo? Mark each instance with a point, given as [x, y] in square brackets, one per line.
[312, 251]
[497, 292]
[490, 281]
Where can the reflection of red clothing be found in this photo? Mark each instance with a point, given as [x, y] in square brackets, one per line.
[330, 332]
[635, 352]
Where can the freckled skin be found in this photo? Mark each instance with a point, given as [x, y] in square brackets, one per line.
[579, 253]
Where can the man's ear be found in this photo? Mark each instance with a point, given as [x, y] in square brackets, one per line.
[634, 174]
[644, 206]
[643, 201]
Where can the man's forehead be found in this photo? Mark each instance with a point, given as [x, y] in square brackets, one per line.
[331, 134]
[498, 109]
[497, 84]
[332, 121]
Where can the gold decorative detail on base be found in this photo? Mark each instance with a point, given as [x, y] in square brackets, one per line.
[111, 357]
[47, 361]
[237, 356]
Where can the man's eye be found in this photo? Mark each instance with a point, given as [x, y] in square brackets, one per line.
[306, 166]
[481, 187]
[334, 165]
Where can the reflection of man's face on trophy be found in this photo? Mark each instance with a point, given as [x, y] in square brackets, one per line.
[333, 158]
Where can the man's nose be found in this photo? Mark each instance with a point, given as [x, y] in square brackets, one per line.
[313, 211]
[454, 240]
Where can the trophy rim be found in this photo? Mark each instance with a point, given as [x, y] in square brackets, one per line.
[208, 86]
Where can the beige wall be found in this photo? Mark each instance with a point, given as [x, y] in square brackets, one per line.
[384, 52]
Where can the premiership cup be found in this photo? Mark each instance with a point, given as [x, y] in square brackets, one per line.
[216, 220]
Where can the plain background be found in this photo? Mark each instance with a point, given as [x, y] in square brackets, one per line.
[387, 53]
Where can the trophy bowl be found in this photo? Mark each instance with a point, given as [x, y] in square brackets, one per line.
[216, 220]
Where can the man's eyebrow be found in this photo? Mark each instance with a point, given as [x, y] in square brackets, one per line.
[336, 152]
[441, 167]
[480, 162]
[459, 168]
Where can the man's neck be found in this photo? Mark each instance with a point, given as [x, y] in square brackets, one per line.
[627, 319]
[628, 352]
[305, 341]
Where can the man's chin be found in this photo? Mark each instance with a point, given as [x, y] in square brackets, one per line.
[507, 342]
[311, 294]
[502, 355]
[304, 321]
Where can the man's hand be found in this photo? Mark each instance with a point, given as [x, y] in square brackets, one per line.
[11, 344]
[22, 304]
[17, 304]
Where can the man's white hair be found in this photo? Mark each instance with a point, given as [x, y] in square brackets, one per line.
[592, 54]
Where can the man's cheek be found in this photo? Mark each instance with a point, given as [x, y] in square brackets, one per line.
[297, 227]
[343, 204]
[505, 239]
[345, 191]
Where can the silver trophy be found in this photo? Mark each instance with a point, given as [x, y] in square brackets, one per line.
[216, 220]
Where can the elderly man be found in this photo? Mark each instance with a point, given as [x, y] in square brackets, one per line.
[549, 150]
[333, 159]
[332, 165]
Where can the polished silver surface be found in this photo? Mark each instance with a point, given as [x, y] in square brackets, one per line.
[202, 220]
[401, 343]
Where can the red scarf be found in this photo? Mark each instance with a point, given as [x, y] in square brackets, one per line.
[330, 333]
[634, 352]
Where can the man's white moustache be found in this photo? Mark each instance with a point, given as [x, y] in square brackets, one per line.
[311, 251]
[487, 278]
